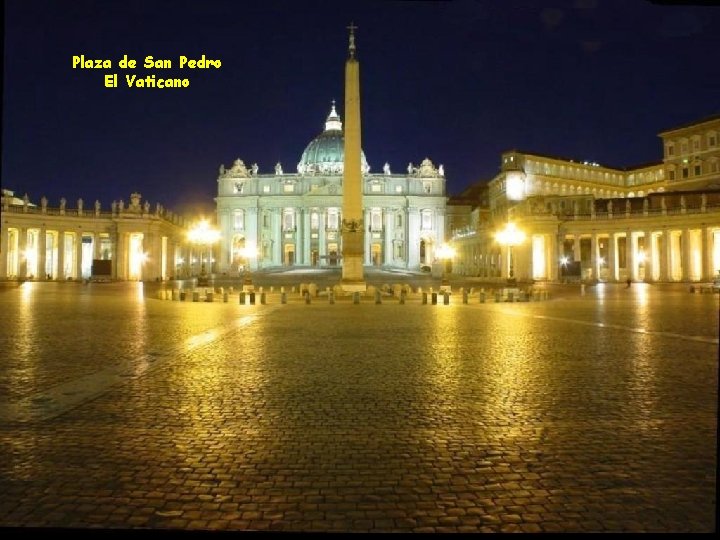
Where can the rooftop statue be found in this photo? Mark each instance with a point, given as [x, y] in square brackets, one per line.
[135, 202]
[386, 168]
[278, 169]
[441, 170]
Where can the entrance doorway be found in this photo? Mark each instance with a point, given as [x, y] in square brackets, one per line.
[376, 252]
[289, 259]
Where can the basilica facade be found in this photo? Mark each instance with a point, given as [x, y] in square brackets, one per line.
[294, 219]
[581, 220]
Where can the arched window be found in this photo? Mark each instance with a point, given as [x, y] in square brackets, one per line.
[426, 220]
[239, 220]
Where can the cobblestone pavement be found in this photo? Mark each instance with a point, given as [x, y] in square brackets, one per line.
[581, 413]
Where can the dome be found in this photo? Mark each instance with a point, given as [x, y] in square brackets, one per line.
[325, 152]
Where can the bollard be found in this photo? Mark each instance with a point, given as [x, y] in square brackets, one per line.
[307, 297]
[331, 297]
[161, 294]
[497, 296]
[482, 296]
[282, 289]
[226, 296]
[465, 296]
[196, 296]
[183, 294]
[424, 298]
[209, 297]
[356, 297]
[242, 298]
[263, 299]
[272, 288]
[402, 297]
[378, 297]
[582, 289]
[511, 296]
[175, 294]
[252, 298]
[446, 298]
[433, 298]
[283, 297]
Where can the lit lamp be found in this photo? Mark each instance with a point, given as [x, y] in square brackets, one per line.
[246, 253]
[204, 236]
[445, 253]
[510, 236]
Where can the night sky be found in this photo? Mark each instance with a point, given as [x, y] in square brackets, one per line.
[458, 82]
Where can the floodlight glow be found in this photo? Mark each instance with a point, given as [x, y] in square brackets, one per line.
[446, 251]
[510, 235]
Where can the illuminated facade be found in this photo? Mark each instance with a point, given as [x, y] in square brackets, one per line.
[61, 243]
[659, 222]
[295, 219]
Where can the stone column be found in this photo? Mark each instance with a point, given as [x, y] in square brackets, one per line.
[413, 237]
[322, 241]
[388, 236]
[593, 256]
[665, 252]
[367, 254]
[576, 248]
[306, 237]
[299, 237]
[22, 247]
[78, 254]
[559, 254]
[121, 262]
[42, 249]
[252, 235]
[649, 255]
[612, 257]
[4, 251]
[61, 254]
[277, 236]
[685, 254]
[630, 255]
[706, 255]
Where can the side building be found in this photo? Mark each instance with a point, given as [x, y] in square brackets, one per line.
[132, 242]
[656, 222]
[294, 219]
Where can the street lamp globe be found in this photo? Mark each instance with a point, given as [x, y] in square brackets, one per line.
[204, 236]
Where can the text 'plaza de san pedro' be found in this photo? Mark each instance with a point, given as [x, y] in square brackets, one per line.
[656, 223]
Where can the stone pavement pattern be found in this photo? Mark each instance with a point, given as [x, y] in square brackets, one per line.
[522, 417]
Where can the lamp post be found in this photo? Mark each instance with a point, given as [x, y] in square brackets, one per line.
[445, 253]
[204, 236]
[247, 252]
[510, 236]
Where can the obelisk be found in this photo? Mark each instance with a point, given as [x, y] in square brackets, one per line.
[352, 210]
